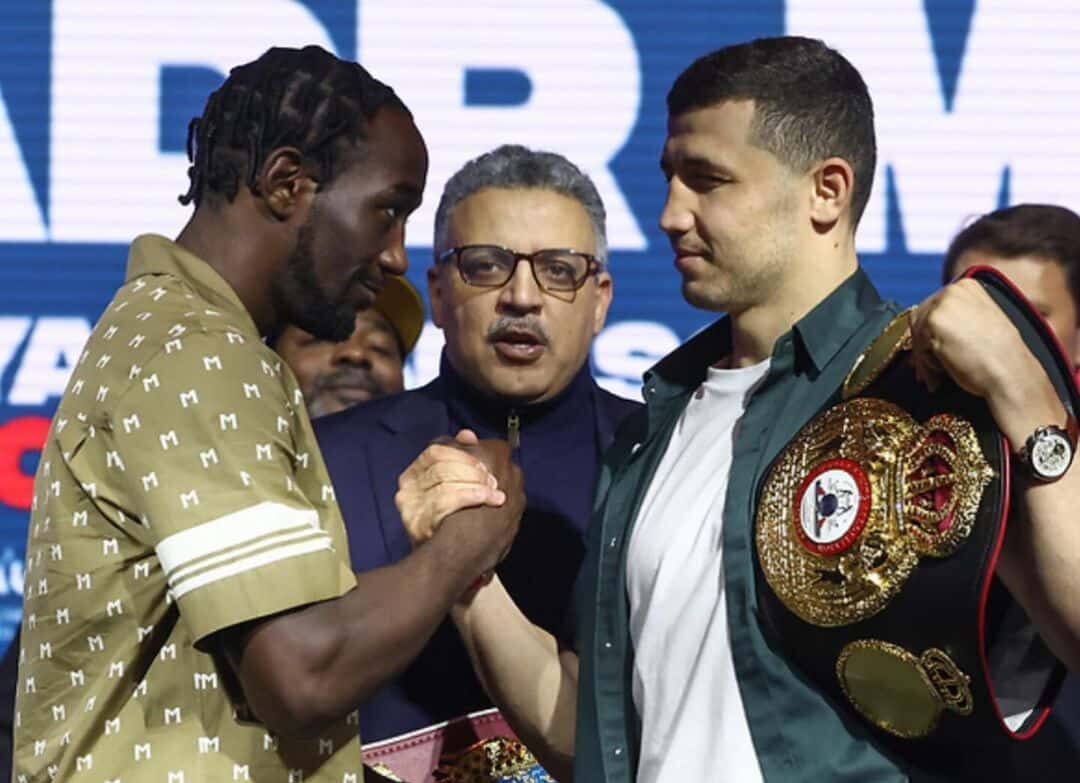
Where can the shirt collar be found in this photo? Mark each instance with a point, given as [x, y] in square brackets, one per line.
[821, 333]
[152, 254]
[817, 337]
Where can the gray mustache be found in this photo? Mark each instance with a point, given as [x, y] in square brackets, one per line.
[506, 327]
[355, 377]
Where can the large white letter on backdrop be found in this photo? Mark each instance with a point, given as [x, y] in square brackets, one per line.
[107, 59]
[20, 219]
[1017, 104]
[578, 55]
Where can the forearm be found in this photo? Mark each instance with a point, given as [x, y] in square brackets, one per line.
[313, 666]
[526, 675]
[1040, 562]
[962, 331]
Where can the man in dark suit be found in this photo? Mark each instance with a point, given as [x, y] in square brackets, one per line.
[515, 366]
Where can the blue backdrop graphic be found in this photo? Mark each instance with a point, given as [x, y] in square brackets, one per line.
[975, 110]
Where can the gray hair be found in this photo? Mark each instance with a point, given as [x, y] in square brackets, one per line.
[513, 166]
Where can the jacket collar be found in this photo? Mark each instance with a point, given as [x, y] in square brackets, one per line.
[816, 338]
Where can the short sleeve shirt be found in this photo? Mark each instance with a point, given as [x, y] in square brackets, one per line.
[180, 492]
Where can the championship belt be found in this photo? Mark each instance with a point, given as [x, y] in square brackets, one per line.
[476, 748]
[878, 529]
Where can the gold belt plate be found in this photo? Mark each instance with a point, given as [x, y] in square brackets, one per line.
[893, 340]
[857, 498]
[899, 692]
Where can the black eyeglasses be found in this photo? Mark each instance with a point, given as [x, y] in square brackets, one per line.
[491, 266]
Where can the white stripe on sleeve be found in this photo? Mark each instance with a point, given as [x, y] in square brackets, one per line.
[250, 563]
[298, 533]
[235, 529]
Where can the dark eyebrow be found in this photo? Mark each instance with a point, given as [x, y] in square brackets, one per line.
[381, 325]
[401, 193]
[701, 164]
[695, 164]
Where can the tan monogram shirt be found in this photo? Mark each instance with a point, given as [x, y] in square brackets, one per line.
[180, 492]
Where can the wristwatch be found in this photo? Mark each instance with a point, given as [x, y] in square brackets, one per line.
[1048, 452]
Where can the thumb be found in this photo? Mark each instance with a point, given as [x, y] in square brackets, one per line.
[466, 438]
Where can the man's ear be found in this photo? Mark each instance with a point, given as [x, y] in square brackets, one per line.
[285, 185]
[435, 294]
[833, 183]
[604, 290]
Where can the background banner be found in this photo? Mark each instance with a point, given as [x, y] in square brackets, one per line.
[978, 106]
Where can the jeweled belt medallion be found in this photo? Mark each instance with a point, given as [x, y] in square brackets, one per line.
[857, 498]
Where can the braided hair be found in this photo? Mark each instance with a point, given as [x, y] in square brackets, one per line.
[304, 98]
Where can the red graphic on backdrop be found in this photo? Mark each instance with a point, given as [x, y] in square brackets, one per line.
[18, 436]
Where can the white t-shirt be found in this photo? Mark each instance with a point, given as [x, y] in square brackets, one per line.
[693, 723]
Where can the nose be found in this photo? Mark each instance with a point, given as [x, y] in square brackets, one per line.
[521, 294]
[676, 218]
[353, 351]
[393, 259]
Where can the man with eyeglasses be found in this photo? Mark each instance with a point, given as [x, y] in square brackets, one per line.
[520, 289]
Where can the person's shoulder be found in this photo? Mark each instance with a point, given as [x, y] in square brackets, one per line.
[374, 413]
[359, 416]
[617, 406]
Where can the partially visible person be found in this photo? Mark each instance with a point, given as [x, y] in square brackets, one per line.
[369, 364]
[1037, 246]
[520, 288]
[332, 375]
[191, 612]
[681, 671]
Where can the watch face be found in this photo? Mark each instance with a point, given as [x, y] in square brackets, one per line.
[1051, 454]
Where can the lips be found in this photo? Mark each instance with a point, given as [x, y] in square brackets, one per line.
[518, 345]
[373, 287]
[688, 251]
[687, 258]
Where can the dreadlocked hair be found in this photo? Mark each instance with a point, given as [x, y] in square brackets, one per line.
[304, 98]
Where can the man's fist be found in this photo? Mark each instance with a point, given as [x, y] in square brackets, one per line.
[960, 332]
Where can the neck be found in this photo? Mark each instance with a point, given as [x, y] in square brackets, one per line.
[245, 256]
[813, 276]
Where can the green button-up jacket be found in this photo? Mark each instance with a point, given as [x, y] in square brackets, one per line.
[798, 733]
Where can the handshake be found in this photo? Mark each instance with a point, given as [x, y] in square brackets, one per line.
[469, 494]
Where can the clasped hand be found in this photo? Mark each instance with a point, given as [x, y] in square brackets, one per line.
[453, 475]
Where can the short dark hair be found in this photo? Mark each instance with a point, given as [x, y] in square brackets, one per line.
[810, 103]
[1043, 230]
[305, 98]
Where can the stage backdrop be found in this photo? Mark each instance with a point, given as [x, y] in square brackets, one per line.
[977, 107]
